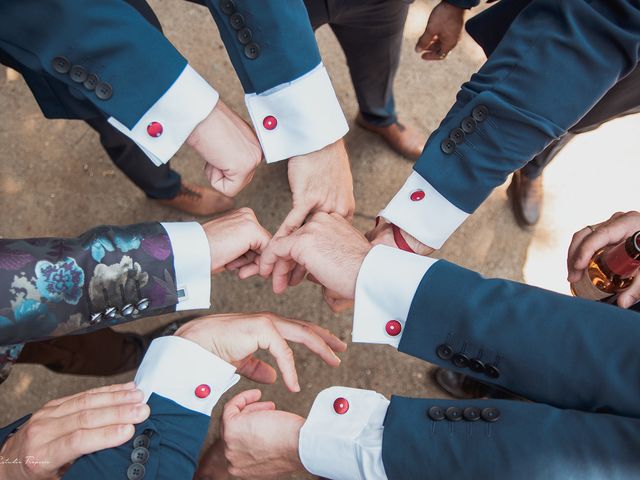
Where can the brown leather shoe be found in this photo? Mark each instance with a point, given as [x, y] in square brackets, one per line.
[403, 139]
[526, 198]
[198, 201]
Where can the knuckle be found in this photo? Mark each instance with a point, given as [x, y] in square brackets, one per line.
[84, 418]
[75, 441]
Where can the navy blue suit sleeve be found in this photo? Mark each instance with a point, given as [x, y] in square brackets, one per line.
[531, 441]
[107, 37]
[175, 436]
[554, 63]
[281, 32]
[464, 3]
[548, 347]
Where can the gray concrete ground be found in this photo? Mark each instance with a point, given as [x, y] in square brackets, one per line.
[55, 180]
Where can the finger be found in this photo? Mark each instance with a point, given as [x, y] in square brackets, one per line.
[248, 271]
[332, 340]
[277, 346]
[297, 276]
[108, 388]
[436, 54]
[259, 407]
[240, 262]
[278, 248]
[303, 334]
[214, 175]
[631, 295]
[82, 442]
[258, 371]
[90, 401]
[313, 279]
[573, 274]
[336, 303]
[293, 221]
[281, 274]
[98, 418]
[606, 234]
[426, 40]
[238, 403]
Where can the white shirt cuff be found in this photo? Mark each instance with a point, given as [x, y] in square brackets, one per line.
[168, 123]
[345, 446]
[192, 264]
[386, 284]
[297, 118]
[420, 210]
[183, 371]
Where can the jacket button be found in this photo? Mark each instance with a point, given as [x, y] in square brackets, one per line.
[476, 365]
[448, 146]
[471, 414]
[227, 7]
[110, 312]
[91, 82]
[480, 113]
[155, 129]
[141, 441]
[341, 405]
[127, 310]
[95, 318]
[244, 36]
[436, 413]
[203, 391]
[140, 455]
[490, 414]
[135, 471]
[460, 360]
[468, 125]
[78, 73]
[252, 51]
[444, 351]
[417, 195]
[143, 304]
[269, 122]
[453, 414]
[61, 65]
[491, 370]
[237, 21]
[104, 91]
[393, 328]
[457, 135]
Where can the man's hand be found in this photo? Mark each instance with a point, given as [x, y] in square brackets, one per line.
[260, 441]
[67, 428]
[235, 337]
[235, 236]
[328, 246]
[442, 33]
[229, 147]
[589, 240]
[383, 234]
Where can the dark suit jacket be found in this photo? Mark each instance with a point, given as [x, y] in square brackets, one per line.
[577, 359]
[53, 286]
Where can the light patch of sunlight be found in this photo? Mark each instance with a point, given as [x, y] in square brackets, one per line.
[595, 175]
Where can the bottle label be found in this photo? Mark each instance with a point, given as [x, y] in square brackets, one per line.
[585, 289]
[619, 262]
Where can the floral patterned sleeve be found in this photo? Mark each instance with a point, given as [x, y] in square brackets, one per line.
[109, 275]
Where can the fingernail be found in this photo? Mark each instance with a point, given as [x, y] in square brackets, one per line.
[624, 302]
[136, 395]
[142, 411]
[337, 358]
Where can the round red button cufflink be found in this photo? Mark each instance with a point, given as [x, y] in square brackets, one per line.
[154, 129]
[417, 195]
[203, 391]
[393, 328]
[341, 405]
[270, 122]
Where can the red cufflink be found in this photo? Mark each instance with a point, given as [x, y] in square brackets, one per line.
[203, 391]
[154, 129]
[393, 328]
[341, 405]
[417, 195]
[269, 122]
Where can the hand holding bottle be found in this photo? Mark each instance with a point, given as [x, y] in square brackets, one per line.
[608, 252]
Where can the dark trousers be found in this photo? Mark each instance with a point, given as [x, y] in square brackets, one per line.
[156, 182]
[621, 100]
[370, 34]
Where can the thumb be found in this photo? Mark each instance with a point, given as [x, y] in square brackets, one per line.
[259, 407]
[293, 221]
[238, 403]
[631, 295]
[427, 39]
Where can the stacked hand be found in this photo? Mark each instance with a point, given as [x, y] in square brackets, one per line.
[589, 240]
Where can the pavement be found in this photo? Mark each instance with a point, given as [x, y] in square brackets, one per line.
[55, 180]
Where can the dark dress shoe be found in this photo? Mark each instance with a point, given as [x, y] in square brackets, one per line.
[526, 198]
[463, 387]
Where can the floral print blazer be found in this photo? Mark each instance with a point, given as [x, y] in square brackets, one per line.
[51, 287]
